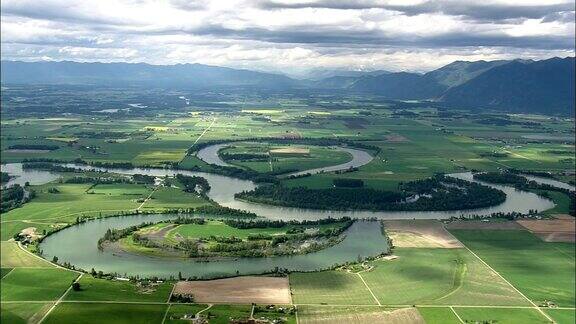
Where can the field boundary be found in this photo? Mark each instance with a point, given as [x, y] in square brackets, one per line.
[513, 287]
[458, 316]
[370, 290]
[59, 300]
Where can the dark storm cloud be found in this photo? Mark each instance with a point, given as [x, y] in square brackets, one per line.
[320, 36]
[474, 10]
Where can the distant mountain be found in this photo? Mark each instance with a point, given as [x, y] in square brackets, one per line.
[400, 85]
[459, 72]
[545, 86]
[187, 75]
[520, 86]
[320, 74]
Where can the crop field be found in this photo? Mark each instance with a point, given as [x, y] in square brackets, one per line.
[438, 277]
[96, 313]
[240, 290]
[500, 315]
[420, 233]
[438, 315]
[24, 284]
[542, 271]
[281, 158]
[434, 270]
[357, 315]
[12, 257]
[329, 287]
[562, 316]
[23, 313]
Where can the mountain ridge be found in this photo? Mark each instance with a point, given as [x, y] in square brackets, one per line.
[545, 86]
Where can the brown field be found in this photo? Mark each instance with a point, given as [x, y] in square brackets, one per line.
[480, 225]
[240, 290]
[420, 234]
[352, 315]
[552, 230]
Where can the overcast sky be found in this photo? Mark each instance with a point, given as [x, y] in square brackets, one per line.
[288, 36]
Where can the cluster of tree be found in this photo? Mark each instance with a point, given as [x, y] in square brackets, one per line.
[91, 134]
[501, 178]
[437, 193]
[113, 234]
[4, 177]
[43, 147]
[181, 298]
[47, 166]
[143, 178]
[189, 220]
[108, 165]
[269, 223]
[96, 180]
[192, 183]
[223, 211]
[333, 198]
[494, 154]
[243, 156]
[348, 183]
[11, 197]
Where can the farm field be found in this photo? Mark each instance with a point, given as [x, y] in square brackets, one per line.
[93, 289]
[23, 313]
[240, 290]
[542, 271]
[357, 314]
[433, 271]
[106, 313]
[24, 284]
[438, 277]
[499, 315]
[329, 287]
[12, 256]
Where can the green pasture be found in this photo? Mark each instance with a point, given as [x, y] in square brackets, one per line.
[22, 313]
[329, 287]
[542, 271]
[425, 276]
[501, 315]
[36, 284]
[88, 313]
[94, 289]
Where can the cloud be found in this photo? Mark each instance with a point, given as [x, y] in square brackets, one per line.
[485, 10]
[291, 35]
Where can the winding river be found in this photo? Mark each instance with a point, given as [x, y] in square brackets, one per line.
[77, 244]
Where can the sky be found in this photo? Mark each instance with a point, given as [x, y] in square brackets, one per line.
[292, 37]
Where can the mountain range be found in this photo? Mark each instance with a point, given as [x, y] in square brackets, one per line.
[545, 86]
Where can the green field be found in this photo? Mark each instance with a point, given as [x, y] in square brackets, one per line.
[318, 157]
[329, 287]
[22, 313]
[562, 316]
[411, 147]
[438, 315]
[542, 271]
[176, 312]
[13, 256]
[500, 315]
[36, 284]
[93, 289]
[440, 277]
[88, 313]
